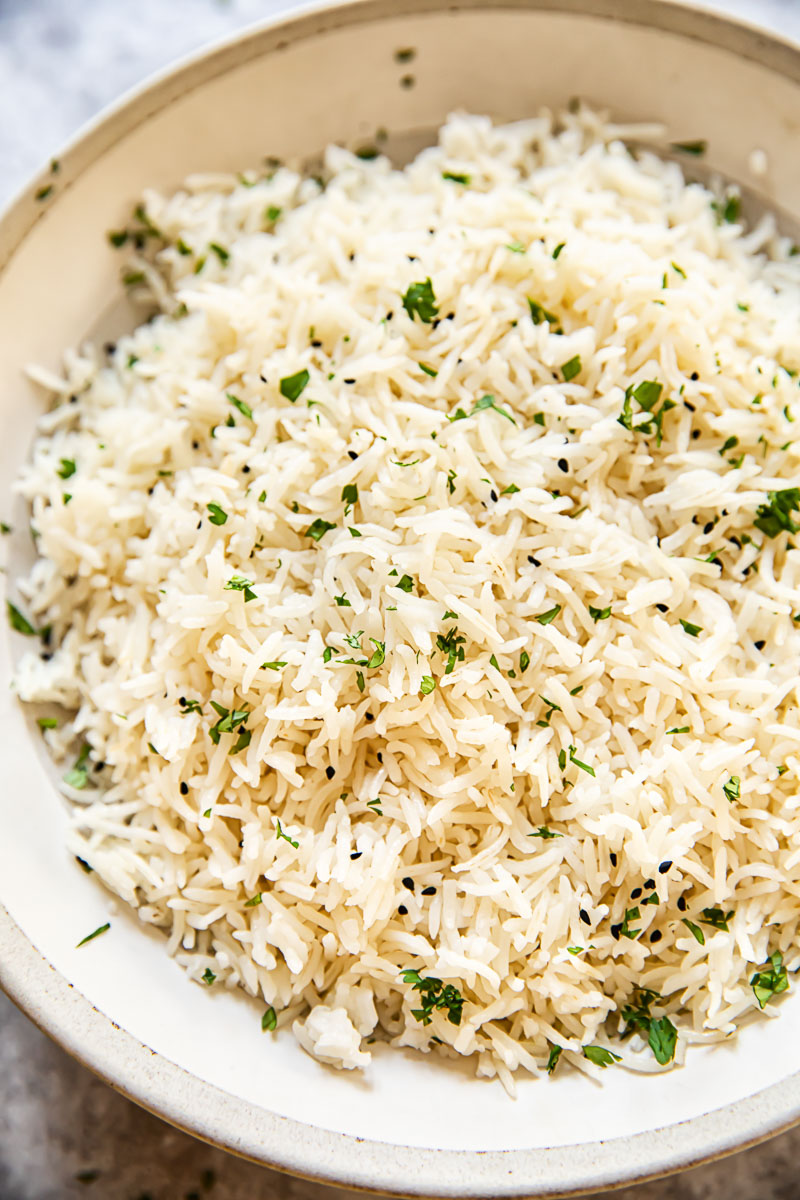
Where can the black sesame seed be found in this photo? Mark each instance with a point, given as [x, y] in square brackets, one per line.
[691, 407]
[533, 560]
[110, 347]
[330, 772]
[662, 608]
[694, 519]
[351, 256]
[150, 490]
[493, 494]
[199, 524]
[759, 645]
[356, 854]
[663, 867]
[636, 893]
[245, 469]
[649, 884]
[436, 323]
[195, 445]
[368, 717]
[349, 380]
[379, 756]
[682, 903]
[408, 882]
[73, 399]
[584, 916]
[450, 316]
[401, 908]
[184, 789]
[182, 701]
[389, 316]
[616, 930]
[613, 858]
[656, 935]
[429, 891]
[709, 525]
[695, 434]
[352, 454]
[563, 465]
[694, 376]
[263, 379]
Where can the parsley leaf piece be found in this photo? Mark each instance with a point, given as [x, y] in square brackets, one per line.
[208, 976]
[360, 681]
[455, 177]
[770, 980]
[599, 614]
[47, 722]
[354, 639]
[631, 914]
[679, 729]
[342, 601]
[78, 776]
[243, 408]
[545, 833]
[285, 837]
[19, 622]
[553, 1057]
[689, 628]
[428, 370]
[728, 444]
[451, 644]
[434, 995]
[237, 583]
[600, 1056]
[427, 685]
[104, 928]
[318, 528]
[662, 1039]
[273, 666]
[516, 247]
[489, 402]
[695, 930]
[420, 301]
[546, 617]
[731, 788]
[354, 532]
[540, 316]
[524, 661]
[648, 393]
[254, 901]
[67, 468]
[222, 254]
[726, 210]
[558, 249]
[350, 496]
[269, 1021]
[678, 270]
[242, 742]
[291, 386]
[775, 515]
[216, 515]
[571, 368]
[406, 584]
[697, 148]
[716, 917]
[583, 766]
[511, 490]
[449, 615]
[379, 655]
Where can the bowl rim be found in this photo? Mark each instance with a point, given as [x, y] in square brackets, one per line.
[162, 1087]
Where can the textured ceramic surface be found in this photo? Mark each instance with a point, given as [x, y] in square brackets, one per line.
[197, 1057]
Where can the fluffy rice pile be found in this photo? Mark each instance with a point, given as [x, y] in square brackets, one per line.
[421, 582]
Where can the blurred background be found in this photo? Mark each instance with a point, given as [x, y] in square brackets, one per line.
[63, 1133]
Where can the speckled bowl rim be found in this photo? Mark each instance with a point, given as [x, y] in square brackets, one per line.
[200, 1108]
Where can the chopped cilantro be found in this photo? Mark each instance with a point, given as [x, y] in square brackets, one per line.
[600, 1056]
[696, 148]
[229, 720]
[524, 661]
[269, 1021]
[254, 901]
[19, 622]
[689, 628]
[420, 301]
[243, 408]
[546, 617]
[451, 644]
[342, 601]
[434, 995]
[291, 386]
[427, 685]
[571, 368]
[553, 1057]
[406, 584]
[599, 614]
[455, 177]
[360, 681]
[731, 788]
[728, 444]
[511, 490]
[678, 270]
[716, 917]
[770, 980]
[349, 496]
[489, 402]
[222, 254]
[558, 249]
[695, 930]
[273, 666]
[208, 976]
[318, 528]
[67, 468]
[47, 722]
[540, 316]
[679, 729]
[727, 209]
[281, 835]
[103, 929]
[516, 247]
[583, 766]
[428, 370]
[78, 776]
[237, 583]
[216, 515]
[775, 515]
[545, 833]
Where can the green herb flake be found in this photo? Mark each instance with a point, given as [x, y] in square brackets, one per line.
[419, 301]
[571, 368]
[354, 532]
[728, 444]
[269, 1021]
[600, 1056]
[599, 614]
[428, 370]
[553, 1057]
[285, 837]
[455, 177]
[291, 386]
[434, 995]
[511, 490]
[716, 917]
[558, 249]
[679, 729]
[318, 528]
[67, 468]
[775, 515]
[216, 515]
[544, 833]
[689, 628]
[254, 901]
[727, 209]
[427, 685]
[406, 584]
[208, 977]
[731, 788]
[524, 661]
[238, 583]
[546, 617]
[662, 1039]
[19, 622]
[583, 766]
[272, 212]
[540, 316]
[117, 237]
[104, 929]
[342, 601]
[488, 401]
[47, 722]
[360, 681]
[78, 775]
[697, 148]
[243, 408]
[678, 270]
[695, 930]
[222, 254]
[515, 247]
[770, 980]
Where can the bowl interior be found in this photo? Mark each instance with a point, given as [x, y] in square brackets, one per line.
[336, 78]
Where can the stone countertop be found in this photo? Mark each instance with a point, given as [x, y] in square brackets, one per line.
[63, 1133]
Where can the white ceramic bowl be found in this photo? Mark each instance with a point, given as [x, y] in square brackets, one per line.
[412, 1125]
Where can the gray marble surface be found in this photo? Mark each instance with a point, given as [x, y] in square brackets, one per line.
[63, 1133]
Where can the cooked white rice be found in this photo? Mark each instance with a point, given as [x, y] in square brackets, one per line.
[385, 826]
